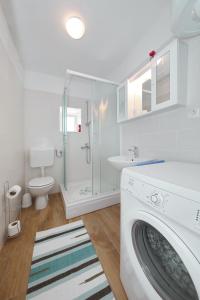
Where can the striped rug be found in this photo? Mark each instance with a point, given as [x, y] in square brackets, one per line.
[65, 266]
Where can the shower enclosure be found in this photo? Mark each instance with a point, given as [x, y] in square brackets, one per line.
[90, 136]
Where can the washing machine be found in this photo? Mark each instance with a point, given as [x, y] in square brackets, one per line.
[160, 232]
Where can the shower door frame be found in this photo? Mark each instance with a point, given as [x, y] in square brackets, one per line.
[65, 140]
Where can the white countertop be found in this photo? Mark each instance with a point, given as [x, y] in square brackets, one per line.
[180, 178]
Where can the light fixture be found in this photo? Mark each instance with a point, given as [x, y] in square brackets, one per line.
[75, 27]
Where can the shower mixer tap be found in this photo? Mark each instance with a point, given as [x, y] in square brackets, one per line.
[85, 147]
[88, 154]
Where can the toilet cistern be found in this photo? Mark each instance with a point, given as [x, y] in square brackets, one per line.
[40, 187]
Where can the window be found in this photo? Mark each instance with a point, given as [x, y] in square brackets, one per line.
[73, 119]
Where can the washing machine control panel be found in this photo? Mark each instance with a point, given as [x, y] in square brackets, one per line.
[146, 193]
[178, 208]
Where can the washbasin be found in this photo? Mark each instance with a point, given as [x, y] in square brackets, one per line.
[120, 162]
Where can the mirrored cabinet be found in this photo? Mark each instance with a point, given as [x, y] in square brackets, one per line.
[159, 84]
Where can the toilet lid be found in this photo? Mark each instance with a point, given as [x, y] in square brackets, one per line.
[41, 181]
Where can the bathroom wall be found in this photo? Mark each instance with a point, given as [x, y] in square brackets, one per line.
[156, 35]
[41, 122]
[42, 101]
[11, 119]
[170, 135]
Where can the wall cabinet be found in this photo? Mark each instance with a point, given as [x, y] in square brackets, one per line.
[140, 92]
[160, 83]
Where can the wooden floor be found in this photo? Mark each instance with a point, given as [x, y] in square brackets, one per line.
[15, 256]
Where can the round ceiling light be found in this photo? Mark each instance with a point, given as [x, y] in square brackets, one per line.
[75, 27]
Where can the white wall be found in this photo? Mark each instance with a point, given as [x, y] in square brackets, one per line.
[169, 135]
[11, 119]
[43, 98]
[43, 82]
[156, 36]
[41, 122]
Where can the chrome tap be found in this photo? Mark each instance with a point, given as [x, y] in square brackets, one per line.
[133, 153]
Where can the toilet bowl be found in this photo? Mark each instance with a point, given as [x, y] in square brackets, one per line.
[39, 187]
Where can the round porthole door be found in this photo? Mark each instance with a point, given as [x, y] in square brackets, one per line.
[161, 263]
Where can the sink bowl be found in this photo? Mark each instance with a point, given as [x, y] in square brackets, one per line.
[120, 162]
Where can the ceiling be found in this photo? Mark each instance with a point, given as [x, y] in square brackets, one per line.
[112, 29]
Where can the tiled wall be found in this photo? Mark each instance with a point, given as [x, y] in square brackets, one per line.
[168, 135]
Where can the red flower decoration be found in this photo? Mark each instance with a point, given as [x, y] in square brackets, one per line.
[152, 53]
[79, 128]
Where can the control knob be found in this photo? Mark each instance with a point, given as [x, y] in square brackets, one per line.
[156, 198]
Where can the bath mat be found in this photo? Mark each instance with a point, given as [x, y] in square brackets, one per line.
[65, 266]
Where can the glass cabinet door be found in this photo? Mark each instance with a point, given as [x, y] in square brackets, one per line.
[163, 78]
[139, 93]
[122, 102]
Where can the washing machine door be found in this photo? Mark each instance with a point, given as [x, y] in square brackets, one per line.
[166, 261]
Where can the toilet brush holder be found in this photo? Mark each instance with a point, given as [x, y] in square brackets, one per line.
[26, 200]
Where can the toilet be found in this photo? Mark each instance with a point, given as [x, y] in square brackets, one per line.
[40, 187]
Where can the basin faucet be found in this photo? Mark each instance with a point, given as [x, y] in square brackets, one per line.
[133, 151]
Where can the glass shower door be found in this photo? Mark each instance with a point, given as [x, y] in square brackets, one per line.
[64, 131]
[105, 137]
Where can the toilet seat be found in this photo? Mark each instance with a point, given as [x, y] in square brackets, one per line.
[40, 182]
